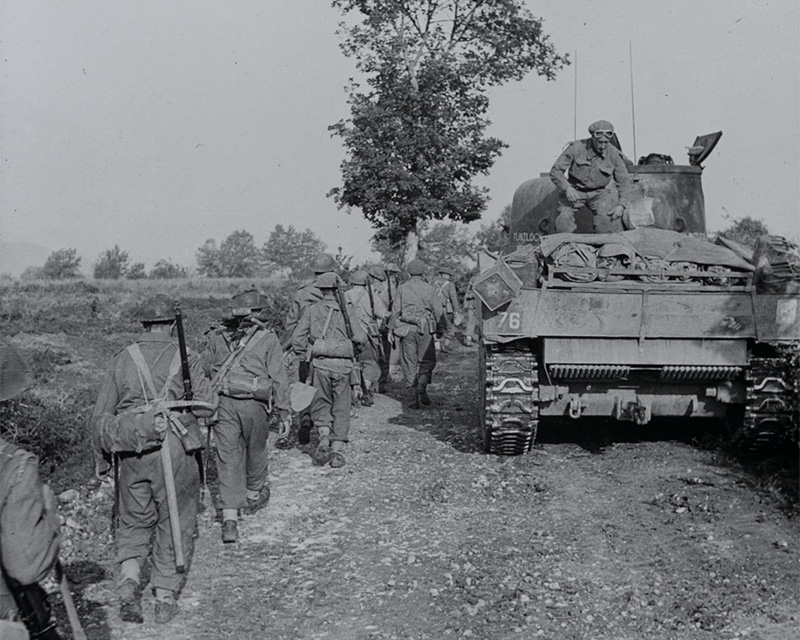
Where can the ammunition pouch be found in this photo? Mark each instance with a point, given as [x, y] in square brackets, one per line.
[187, 428]
[245, 386]
[355, 375]
[332, 348]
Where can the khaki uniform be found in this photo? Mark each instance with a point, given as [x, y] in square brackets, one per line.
[143, 505]
[471, 305]
[306, 295]
[29, 535]
[387, 293]
[243, 422]
[370, 316]
[448, 296]
[418, 314]
[321, 334]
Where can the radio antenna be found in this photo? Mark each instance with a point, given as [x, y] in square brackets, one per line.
[575, 102]
[633, 105]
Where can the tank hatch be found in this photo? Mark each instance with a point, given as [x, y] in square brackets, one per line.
[702, 147]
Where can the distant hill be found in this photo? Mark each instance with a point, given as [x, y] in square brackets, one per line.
[15, 257]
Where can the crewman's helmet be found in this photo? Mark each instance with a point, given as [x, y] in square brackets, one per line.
[327, 281]
[358, 277]
[159, 308]
[416, 267]
[323, 263]
[15, 374]
[602, 132]
[246, 302]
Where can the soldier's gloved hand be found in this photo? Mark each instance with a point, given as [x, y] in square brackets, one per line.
[572, 194]
[617, 212]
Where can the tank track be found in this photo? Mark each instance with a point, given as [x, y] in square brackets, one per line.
[771, 405]
[510, 415]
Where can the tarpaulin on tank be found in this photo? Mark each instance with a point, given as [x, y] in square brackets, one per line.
[649, 242]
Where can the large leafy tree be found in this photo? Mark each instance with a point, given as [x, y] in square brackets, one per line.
[288, 248]
[236, 257]
[112, 264]
[415, 137]
[61, 264]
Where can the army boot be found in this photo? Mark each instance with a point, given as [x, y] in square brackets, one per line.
[304, 432]
[230, 526]
[258, 502]
[337, 454]
[130, 601]
[166, 606]
[422, 389]
[323, 454]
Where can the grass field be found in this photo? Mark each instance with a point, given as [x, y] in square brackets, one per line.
[68, 330]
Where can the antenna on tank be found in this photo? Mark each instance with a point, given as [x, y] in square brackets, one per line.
[633, 105]
[575, 102]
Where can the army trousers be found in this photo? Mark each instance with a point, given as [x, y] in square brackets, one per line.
[331, 406]
[143, 509]
[600, 202]
[370, 368]
[417, 357]
[384, 357]
[241, 439]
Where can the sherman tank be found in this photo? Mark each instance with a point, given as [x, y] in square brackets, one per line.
[653, 321]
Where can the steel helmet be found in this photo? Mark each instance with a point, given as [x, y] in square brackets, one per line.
[358, 277]
[377, 273]
[245, 302]
[446, 270]
[416, 267]
[159, 308]
[15, 374]
[323, 263]
[327, 281]
[392, 268]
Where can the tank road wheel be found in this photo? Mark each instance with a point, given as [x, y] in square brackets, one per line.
[509, 399]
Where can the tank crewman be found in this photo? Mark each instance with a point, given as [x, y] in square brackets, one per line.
[131, 421]
[322, 333]
[372, 315]
[417, 316]
[582, 174]
[29, 531]
[448, 296]
[247, 369]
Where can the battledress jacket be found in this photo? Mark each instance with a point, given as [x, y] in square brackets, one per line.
[122, 387]
[310, 329]
[446, 291]
[306, 295]
[589, 170]
[414, 298]
[29, 535]
[264, 359]
[359, 298]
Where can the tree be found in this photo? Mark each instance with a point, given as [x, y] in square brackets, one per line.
[236, 257]
[165, 270]
[136, 271]
[745, 231]
[112, 264]
[291, 249]
[62, 264]
[494, 235]
[415, 138]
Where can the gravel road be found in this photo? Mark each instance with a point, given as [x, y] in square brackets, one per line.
[422, 536]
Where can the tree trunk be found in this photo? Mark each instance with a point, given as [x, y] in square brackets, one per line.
[412, 245]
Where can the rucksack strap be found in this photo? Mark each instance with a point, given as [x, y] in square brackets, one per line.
[146, 376]
[250, 340]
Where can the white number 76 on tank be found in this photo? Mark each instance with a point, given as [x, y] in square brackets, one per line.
[510, 321]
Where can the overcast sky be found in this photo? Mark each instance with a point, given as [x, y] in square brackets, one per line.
[156, 125]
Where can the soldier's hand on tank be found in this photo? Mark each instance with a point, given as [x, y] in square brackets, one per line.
[572, 194]
[617, 212]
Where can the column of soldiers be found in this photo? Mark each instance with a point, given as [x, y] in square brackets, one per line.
[146, 420]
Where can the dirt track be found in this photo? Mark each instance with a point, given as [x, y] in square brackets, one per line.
[423, 536]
